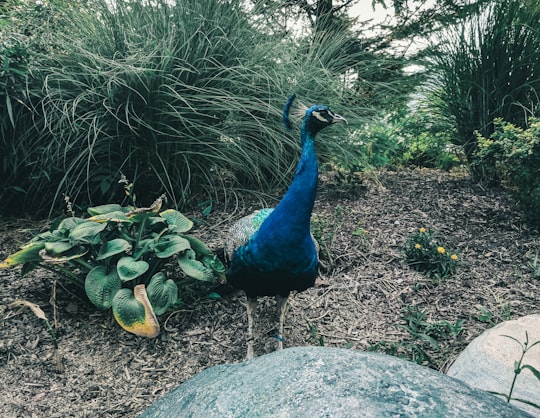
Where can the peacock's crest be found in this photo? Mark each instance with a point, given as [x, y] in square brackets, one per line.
[298, 111]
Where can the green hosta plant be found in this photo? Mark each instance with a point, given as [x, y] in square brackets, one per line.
[120, 255]
[424, 253]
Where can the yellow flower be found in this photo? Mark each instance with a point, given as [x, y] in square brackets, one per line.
[454, 257]
[422, 230]
[440, 250]
[417, 246]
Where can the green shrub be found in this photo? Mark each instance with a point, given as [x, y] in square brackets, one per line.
[514, 154]
[14, 58]
[120, 256]
[184, 97]
[376, 145]
[170, 94]
[13, 69]
[425, 253]
[407, 138]
[487, 68]
[428, 151]
[424, 140]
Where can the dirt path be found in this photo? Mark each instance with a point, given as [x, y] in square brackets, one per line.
[366, 287]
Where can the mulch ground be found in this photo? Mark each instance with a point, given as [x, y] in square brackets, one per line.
[360, 302]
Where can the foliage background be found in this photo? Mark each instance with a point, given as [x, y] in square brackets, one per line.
[184, 98]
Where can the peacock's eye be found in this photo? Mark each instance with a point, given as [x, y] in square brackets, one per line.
[322, 115]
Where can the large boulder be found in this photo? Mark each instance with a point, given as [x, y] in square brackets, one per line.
[488, 361]
[327, 382]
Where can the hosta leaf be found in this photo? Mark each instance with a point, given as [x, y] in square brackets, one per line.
[198, 246]
[113, 247]
[28, 267]
[47, 236]
[140, 217]
[100, 210]
[116, 216]
[162, 293]
[101, 286]
[67, 225]
[177, 222]
[86, 231]
[157, 220]
[128, 268]
[133, 312]
[62, 251]
[28, 254]
[143, 246]
[214, 263]
[208, 209]
[75, 252]
[169, 245]
[56, 248]
[194, 268]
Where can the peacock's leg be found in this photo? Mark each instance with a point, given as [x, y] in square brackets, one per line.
[282, 309]
[251, 309]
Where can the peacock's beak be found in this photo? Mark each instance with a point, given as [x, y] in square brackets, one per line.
[339, 119]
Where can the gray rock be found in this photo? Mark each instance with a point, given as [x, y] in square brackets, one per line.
[488, 361]
[326, 382]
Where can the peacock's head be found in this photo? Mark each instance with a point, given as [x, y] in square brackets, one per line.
[319, 117]
[315, 118]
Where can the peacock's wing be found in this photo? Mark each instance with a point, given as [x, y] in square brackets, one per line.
[317, 246]
[243, 229]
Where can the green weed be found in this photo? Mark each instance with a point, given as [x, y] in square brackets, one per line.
[534, 265]
[485, 315]
[424, 336]
[518, 369]
[316, 338]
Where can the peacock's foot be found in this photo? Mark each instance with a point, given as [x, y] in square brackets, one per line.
[280, 340]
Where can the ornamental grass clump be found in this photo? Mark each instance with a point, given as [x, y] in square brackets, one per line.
[425, 253]
[124, 258]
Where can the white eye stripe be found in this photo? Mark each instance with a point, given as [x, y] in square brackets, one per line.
[320, 117]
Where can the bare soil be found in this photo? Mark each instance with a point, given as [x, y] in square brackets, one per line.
[359, 303]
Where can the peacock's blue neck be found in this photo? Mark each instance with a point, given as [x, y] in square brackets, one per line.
[293, 213]
[300, 197]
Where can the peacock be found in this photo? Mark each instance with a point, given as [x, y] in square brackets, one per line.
[271, 252]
